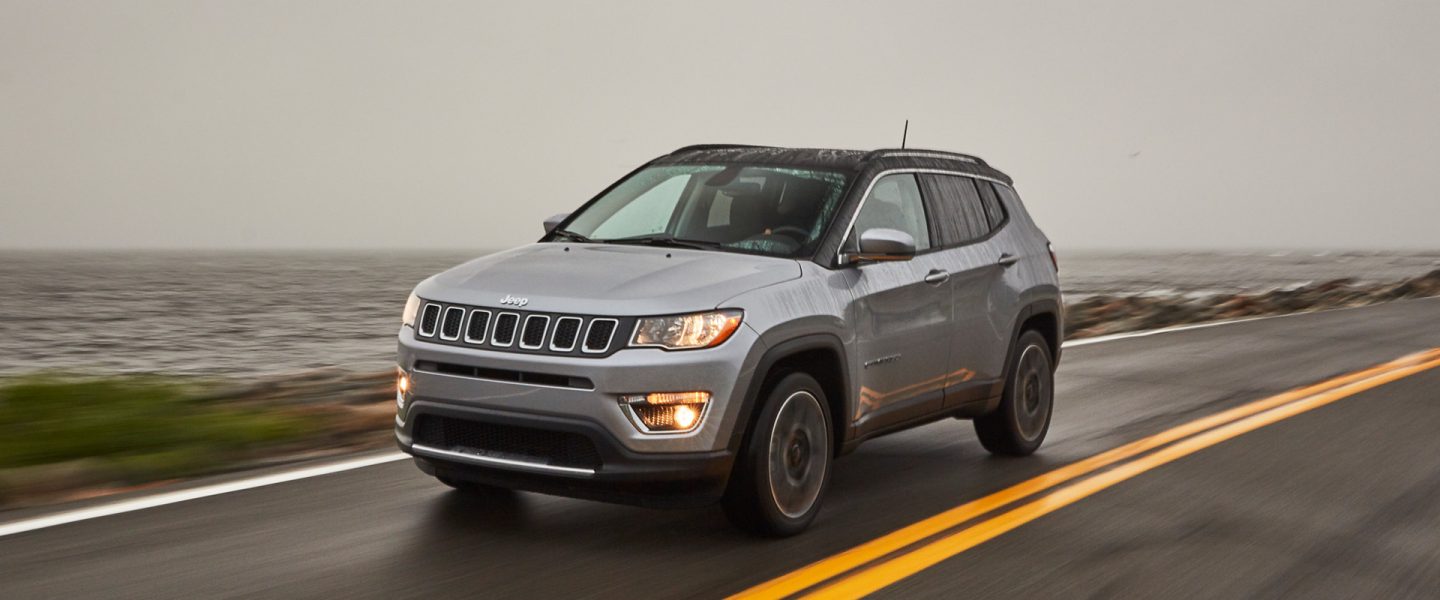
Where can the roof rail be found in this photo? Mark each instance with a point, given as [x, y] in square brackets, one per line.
[925, 153]
[715, 147]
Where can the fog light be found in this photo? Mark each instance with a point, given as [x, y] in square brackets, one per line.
[686, 416]
[402, 388]
[667, 412]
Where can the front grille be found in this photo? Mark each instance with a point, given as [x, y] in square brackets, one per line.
[598, 338]
[450, 327]
[505, 329]
[521, 330]
[429, 319]
[479, 324]
[567, 331]
[534, 335]
[513, 442]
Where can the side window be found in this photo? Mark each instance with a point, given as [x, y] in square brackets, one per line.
[894, 203]
[648, 213]
[993, 209]
[959, 208]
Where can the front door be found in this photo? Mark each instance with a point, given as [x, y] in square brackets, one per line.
[901, 312]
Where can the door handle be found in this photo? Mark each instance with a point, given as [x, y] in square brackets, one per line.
[1007, 259]
[936, 276]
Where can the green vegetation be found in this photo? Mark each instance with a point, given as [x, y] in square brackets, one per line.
[126, 429]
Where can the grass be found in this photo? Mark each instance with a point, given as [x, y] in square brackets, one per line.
[129, 429]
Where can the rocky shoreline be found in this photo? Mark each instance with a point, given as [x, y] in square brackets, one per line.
[355, 411]
[1102, 315]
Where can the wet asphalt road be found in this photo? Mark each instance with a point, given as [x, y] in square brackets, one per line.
[1341, 501]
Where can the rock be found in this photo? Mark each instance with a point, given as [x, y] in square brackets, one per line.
[1101, 314]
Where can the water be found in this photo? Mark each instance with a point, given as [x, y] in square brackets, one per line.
[251, 313]
[205, 312]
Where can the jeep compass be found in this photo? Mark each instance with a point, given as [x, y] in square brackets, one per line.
[725, 321]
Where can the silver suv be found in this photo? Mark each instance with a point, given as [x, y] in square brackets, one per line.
[725, 320]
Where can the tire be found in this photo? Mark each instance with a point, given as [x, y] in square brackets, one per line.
[1019, 425]
[784, 467]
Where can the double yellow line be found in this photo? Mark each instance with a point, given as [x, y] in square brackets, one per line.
[885, 560]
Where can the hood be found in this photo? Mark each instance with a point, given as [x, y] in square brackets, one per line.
[604, 279]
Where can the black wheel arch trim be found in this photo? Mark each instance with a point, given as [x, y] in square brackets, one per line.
[744, 421]
[1039, 306]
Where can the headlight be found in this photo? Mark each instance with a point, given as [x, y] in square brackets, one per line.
[686, 332]
[412, 307]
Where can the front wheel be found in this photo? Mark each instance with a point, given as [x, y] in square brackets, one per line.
[1019, 425]
[784, 468]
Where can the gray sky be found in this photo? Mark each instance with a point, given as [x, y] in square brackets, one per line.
[285, 124]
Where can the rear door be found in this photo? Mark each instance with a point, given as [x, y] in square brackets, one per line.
[900, 318]
[971, 252]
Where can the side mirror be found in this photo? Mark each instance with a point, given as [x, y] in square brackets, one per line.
[881, 244]
[554, 221]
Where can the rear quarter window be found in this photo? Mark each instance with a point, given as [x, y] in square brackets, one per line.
[994, 211]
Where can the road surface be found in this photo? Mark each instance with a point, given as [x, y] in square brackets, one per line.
[1337, 498]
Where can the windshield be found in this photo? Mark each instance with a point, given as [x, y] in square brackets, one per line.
[762, 210]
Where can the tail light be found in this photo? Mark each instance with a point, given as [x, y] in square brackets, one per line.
[1053, 261]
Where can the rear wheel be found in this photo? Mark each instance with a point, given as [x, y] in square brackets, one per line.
[784, 468]
[1019, 425]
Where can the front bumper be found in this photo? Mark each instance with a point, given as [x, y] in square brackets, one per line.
[646, 479]
[655, 470]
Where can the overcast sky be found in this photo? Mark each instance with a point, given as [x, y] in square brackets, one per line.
[286, 124]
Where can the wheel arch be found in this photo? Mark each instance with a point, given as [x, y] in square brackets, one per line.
[822, 356]
[1045, 315]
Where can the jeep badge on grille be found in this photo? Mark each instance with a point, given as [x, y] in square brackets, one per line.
[513, 301]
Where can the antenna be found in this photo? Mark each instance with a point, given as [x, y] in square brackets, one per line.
[905, 134]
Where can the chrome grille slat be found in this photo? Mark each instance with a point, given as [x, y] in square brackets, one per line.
[532, 335]
[452, 323]
[506, 326]
[429, 320]
[478, 326]
[567, 334]
[598, 340]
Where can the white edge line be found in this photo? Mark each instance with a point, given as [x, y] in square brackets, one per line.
[1149, 332]
[162, 499]
[1100, 339]
[142, 503]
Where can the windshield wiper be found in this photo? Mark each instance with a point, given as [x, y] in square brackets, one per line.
[572, 236]
[666, 240]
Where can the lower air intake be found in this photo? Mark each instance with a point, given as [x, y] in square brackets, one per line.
[526, 444]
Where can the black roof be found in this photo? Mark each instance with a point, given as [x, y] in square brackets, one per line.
[831, 159]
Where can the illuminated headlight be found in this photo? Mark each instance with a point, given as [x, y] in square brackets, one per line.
[687, 332]
[412, 308]
[667, 412]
